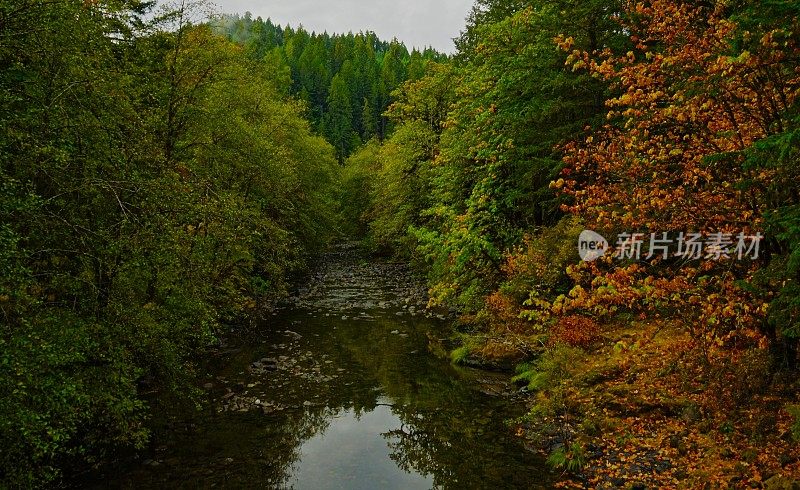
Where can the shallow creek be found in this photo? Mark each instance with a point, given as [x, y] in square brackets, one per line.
[341, 389]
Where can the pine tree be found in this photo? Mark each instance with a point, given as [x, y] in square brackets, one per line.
[371, 70]
[369, 120]
[416, 66]
[338, 126]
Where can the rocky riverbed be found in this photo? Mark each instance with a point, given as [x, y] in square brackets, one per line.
[346, 283]
[339, 389]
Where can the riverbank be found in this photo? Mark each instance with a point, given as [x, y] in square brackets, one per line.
[634, 409]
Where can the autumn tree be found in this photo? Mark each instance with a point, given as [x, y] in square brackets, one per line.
[700, 96]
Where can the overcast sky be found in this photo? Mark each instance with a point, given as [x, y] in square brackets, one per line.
[417, 23]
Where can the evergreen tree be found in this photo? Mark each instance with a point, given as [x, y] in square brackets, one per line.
[338, 125]
[369, 120]
[416, 66]
[369, 67]
[277, 69]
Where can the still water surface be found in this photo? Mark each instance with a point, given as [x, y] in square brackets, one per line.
[341, 390]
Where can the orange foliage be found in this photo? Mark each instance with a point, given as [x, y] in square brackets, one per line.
[680, 105]
[670, 160]
[575, 331]
[503, 311]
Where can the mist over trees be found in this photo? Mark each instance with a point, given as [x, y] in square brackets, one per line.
[346, 80]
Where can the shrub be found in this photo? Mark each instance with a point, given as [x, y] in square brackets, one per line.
[572, 459]
[575, 331]
[550, 369]
[794, 411]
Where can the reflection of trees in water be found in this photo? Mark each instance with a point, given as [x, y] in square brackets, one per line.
[415, 451]
[287, 437]
[440, 444]
[448, 431]
[265, 449]
[313, 423]
[459, 449]
[274, 442]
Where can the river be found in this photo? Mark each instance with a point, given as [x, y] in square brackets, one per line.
[340, 389]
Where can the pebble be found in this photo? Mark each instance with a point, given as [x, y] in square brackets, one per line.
[291, 375]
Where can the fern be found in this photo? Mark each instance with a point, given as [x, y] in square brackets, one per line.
[572, 460]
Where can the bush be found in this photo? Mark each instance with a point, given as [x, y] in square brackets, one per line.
[575, 331]
[540, 264]
[549, 370]
[459, 354]
[535, 275]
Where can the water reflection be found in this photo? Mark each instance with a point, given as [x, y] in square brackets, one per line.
[351, 453]
[346, 397]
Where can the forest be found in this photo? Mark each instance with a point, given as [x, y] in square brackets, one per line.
[167, 176]
[345, 81]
